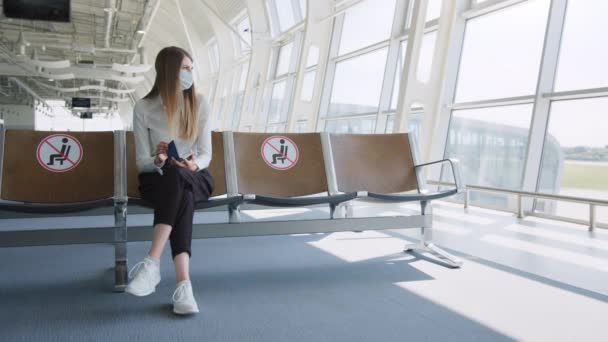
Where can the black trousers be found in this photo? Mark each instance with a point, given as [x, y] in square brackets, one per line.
[173, 196]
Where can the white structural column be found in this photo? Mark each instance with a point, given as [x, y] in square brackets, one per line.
[439, 132]
[392, 65]
[182, 19]
[427, 93]
[258, 65]
[227, 52]
[540, 116]
[317, 35]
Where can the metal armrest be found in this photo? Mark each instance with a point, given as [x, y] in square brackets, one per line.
[455, 165]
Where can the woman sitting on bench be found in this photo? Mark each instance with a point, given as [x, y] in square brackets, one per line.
[172, 111]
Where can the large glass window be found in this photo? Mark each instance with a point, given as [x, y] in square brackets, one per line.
[491, 144]
[583, 59]
[425, 62]
[398, 74]
[284, 14]
[575, 156]
[240, 81]
[243, 27]
[502, 51]
[357, 84]
[414, 125]
[308, 85]
[279, 92]
[366, 23]
[278, 110]
[284, 59]
[356, 125]
[433, 9]
[214, 56]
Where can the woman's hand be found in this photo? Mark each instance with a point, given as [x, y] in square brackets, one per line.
[161, 153]
[187, 163]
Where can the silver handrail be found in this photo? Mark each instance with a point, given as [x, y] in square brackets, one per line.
[593, 203]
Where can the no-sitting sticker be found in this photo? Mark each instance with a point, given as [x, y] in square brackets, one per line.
[59, 153]
[280, 153]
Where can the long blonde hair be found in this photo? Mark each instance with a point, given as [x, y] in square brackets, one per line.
[181, 106]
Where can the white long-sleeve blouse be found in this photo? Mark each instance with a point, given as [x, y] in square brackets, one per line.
[150, 127]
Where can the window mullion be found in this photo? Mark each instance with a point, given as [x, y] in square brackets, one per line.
[540, 115]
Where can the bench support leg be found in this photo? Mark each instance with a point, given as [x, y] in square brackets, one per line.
[234, 213]
[121, 277]
[426, 245]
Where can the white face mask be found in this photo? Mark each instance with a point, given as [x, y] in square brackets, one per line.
[185, 79]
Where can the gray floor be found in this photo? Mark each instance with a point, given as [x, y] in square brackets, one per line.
[531, 279]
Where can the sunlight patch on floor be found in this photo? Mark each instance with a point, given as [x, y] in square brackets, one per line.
[513, 305]
[539, 249]
[353, 247]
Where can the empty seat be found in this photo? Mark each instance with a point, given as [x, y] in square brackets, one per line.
[278, 170]
[382, 165]
[55, 172]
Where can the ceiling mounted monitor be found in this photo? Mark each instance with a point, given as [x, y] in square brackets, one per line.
[49, 10]
[81, 102]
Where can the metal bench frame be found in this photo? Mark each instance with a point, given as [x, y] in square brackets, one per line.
[120, 234]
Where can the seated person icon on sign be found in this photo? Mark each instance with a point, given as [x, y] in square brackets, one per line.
[282, 155]
[61, 156]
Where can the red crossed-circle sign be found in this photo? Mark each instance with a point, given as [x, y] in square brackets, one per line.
[280, 153]
[59, 153]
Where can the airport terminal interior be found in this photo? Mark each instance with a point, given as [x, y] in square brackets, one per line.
[384, 170]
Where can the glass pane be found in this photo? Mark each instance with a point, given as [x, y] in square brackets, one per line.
[499, 58]
[243, 80]
[414, 125]
[284, 59]
[491, 145]
[308, 86]
[275, 128]
[212, 91]
[356, 125]
[236, 110]
[313, 56]
[357, 84]
[244, 29]
[301, 126]
[220, 108]
[410, 8]
[426, 56]
[271, 22]
[397, 85]
[366, 23]
[275, 113]
[285, 14]
[303, 8]
[584, 52]
[433, 10]
[214, 56]
[390, 124]
[575, 156]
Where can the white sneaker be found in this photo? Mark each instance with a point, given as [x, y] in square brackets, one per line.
[146, 275]
[183, 299]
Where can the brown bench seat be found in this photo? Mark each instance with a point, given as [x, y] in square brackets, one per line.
[216, 168]
[271, 170]
[300, 179]
[382, 174]
[28, 186]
